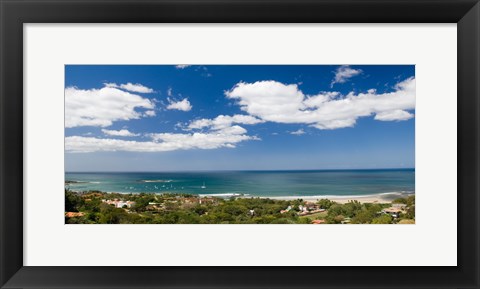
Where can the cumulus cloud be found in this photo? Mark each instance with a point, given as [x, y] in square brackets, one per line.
[393, 115]
[285, 103]
[150, 113]
[268, 100]
[319, 99]
[122, 132]
[335, 123]
[344, 73]
[101, 107]
[223, 121]
[183, 105]
[182, 66]
[162, 142]
[131, 87]
[298, 132]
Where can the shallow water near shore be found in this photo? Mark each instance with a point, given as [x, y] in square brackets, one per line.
[250, 183]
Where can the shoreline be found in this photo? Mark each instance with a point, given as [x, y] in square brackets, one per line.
[373, 198]
[370, 198]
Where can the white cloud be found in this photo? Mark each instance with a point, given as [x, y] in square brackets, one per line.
[161, 142]
[183, 105]
[122, 132]
[136, 88]
[343, 73]
[233, 130]
[319, 99]
[277, 102]
[131, 87]
[200, 123]
[269, 100]
[101, 107]
[182, 66]
[298, 132]
[393, 115]
[223, 121]
[169, 91]
[150, 113]
[335, 123]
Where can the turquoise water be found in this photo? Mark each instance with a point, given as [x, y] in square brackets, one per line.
[253, 183]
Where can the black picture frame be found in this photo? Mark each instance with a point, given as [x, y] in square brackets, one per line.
[14, 13]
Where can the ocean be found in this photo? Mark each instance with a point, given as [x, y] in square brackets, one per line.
[250, 183]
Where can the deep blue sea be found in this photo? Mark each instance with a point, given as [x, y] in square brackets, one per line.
[251, 183]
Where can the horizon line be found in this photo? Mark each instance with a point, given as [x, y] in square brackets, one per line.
[244, 170]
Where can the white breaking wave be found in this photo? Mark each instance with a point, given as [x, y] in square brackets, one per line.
[224, 195]
[156, 181]
[392, 194]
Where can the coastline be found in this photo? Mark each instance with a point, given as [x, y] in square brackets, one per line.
[369, 198]
[341, 199]
[373, 198]
[376, 198]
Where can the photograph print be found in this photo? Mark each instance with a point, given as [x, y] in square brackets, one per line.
[240, 144]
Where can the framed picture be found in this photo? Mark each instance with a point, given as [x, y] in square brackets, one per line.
[239, 144]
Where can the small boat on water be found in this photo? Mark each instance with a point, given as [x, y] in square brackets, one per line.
[203, 186]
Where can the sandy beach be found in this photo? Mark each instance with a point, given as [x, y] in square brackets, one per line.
[378, 198]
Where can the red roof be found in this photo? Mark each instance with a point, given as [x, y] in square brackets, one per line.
[318, 222]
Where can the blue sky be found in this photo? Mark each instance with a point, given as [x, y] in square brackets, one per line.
[238, 117]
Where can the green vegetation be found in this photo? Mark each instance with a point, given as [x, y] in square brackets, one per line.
[316, 216]
[355, 212]
[95, 207]
[72, 201]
